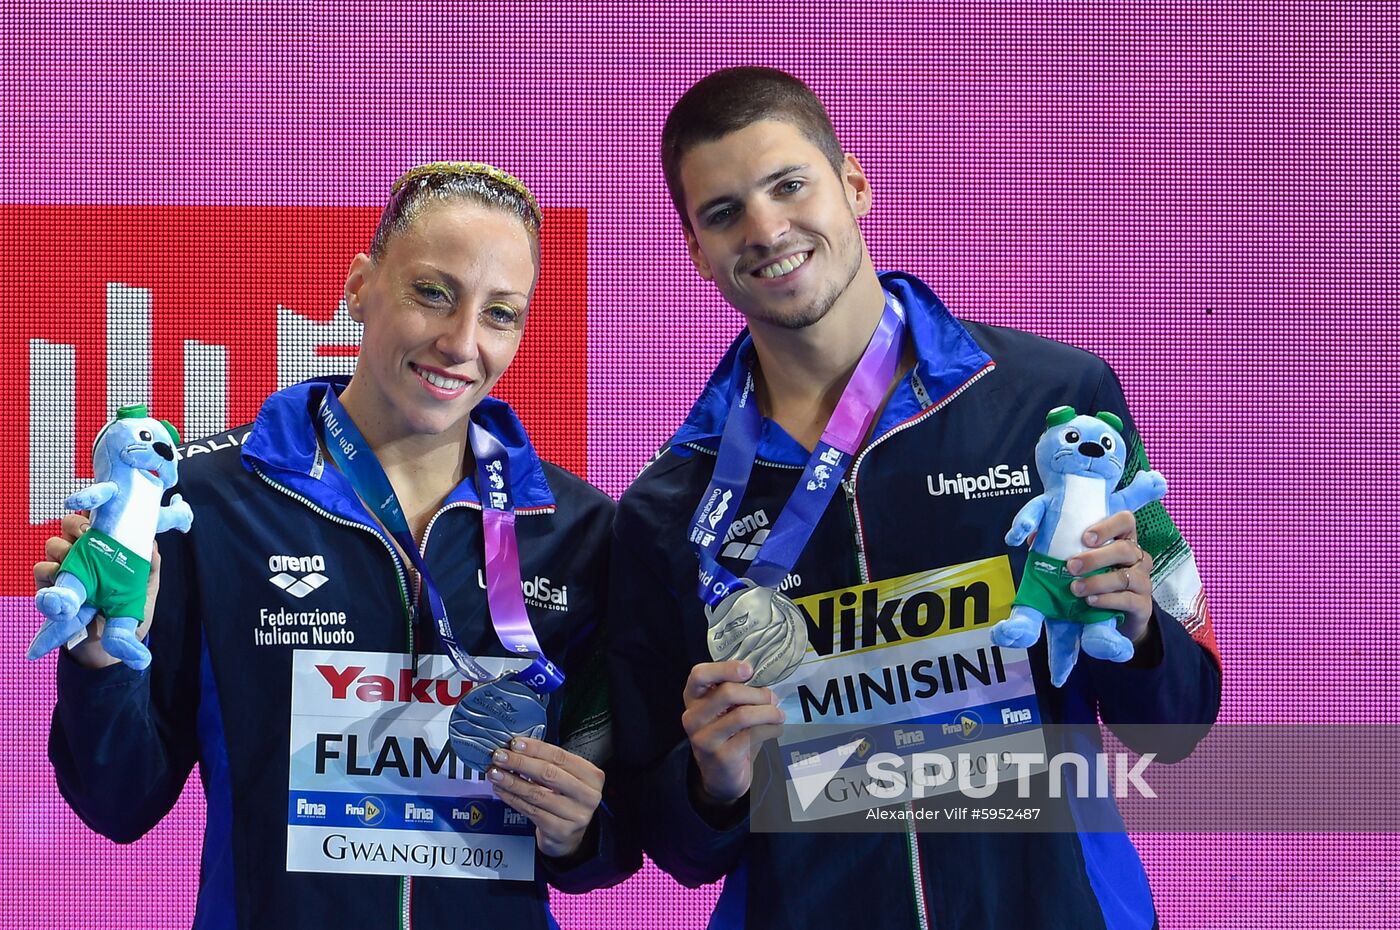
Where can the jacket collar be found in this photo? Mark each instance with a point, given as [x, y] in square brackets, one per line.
[947, 358]
[284, 440]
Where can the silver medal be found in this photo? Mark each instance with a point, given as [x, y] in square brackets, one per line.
[490, 716]
[760, 626]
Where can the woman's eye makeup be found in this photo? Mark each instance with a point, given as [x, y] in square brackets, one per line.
[502, 314]
[433, 292]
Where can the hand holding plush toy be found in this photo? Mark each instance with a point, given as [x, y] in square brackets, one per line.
[107, 568]
[1080, 460]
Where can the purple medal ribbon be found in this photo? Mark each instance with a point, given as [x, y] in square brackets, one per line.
[505, 598]
[504, 595]
[826, 467]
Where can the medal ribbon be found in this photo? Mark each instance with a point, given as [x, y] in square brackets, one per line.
[826, 467]
[505, 599]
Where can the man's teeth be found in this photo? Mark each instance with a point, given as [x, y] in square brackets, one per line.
[437, 380]
[777, 269]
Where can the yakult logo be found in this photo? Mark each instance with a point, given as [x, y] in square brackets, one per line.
[351, 684]
[995, 482]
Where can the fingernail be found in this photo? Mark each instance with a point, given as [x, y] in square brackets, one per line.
[495, 774]
[1075, 566]
[499, 756]
[518, 745]
[746, 670]
[83, 528]
[1092, 599]
[1091, 539]
[1077, 587]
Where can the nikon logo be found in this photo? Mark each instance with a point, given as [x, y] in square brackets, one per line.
[861, 618]
[996, 482]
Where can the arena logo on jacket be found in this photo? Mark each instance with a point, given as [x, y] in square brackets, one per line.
[906, 665]
[291, 623]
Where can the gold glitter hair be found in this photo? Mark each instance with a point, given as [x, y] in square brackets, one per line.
[477, 181]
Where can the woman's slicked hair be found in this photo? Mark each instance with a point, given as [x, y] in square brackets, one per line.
[450, 180]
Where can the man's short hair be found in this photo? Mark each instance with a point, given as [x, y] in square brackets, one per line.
[732, 99]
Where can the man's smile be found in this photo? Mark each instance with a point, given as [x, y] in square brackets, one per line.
[783, 266]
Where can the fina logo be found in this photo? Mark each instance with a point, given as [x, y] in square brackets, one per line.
[309, 567]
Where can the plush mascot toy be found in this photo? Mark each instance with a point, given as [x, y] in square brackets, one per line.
[1080, 460]
[133, 459]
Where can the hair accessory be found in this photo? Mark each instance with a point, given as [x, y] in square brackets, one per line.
[468, 169]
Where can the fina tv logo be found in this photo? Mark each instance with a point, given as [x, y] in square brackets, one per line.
[305, 349]
[473, 816]
[308, 567]
[967, 725]
[370, 810]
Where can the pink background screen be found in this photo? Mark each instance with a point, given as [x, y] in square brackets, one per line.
[1203, 193]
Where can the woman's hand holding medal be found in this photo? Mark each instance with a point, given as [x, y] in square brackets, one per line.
[557, 790]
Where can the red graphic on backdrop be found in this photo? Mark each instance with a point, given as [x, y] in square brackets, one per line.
[201, 312]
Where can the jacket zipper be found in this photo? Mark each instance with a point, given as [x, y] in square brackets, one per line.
[696, 447]
[405, 882]
[850, 482]
[393, 555]
[911, 839]
[911, 836]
